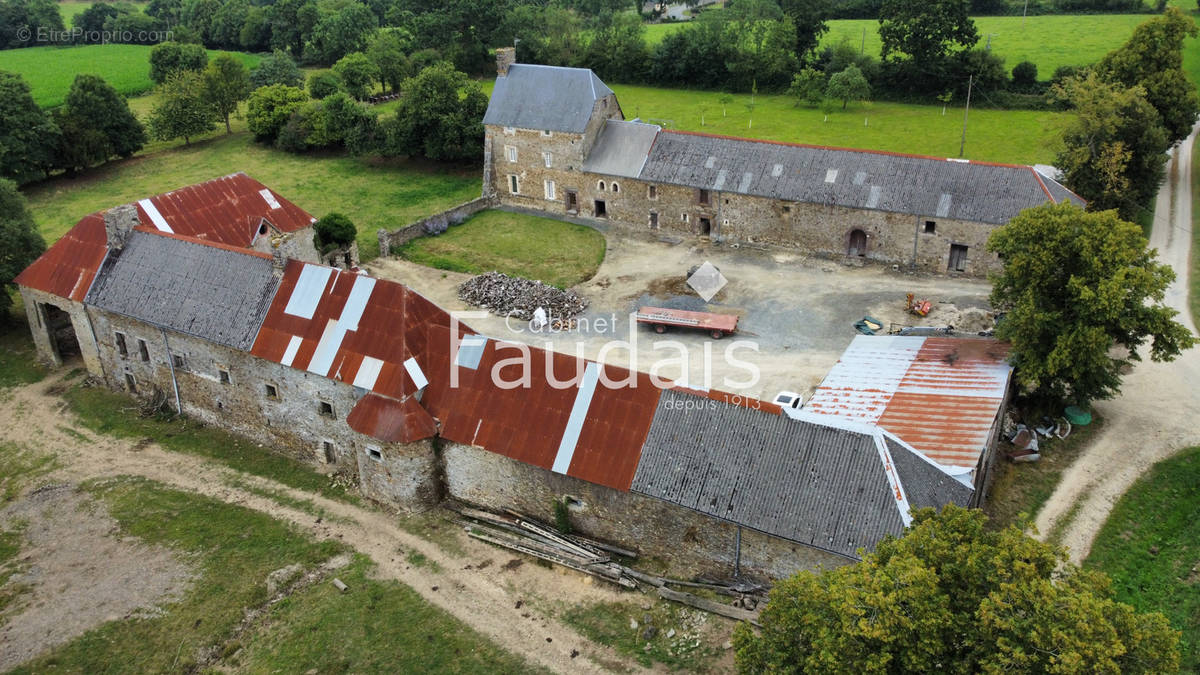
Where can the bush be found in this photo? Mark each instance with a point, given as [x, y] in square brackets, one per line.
[1024, 75]
[323, 84]
[170, 57]
[333, 231]
[278, 68]
[269, 110]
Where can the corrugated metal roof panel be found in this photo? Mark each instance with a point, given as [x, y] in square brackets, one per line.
[939, 395]
[68, 267]
[390, 420]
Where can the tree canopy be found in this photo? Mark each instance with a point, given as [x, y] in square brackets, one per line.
[226, 83]
[269, 109]
[20, 243]
[922, 40]
[357, 73]
[1074, 285]
[849, 85]
[27, 136]
[440, 116]
[333, 231]
[169, 57]
[184, 109]
[96, 124]
[278, 68]
[952, 596]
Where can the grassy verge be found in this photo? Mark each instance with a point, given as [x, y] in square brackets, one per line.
[18, 358]
[107, 412]
[612, 624]
[18, 468]
[1194, 261]
[558, 253]
[1150, 546]
[51, 70]
[1022, 489]
[374, 194]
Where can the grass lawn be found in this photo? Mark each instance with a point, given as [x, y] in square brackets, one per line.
[379, 626]
[49, 71]
[558, 253]
[1194, 274]
[1150, 546]
[374, 194]
[18, 358]
[1023, 488]
[114, 414]
[608, 623]
[69, 9]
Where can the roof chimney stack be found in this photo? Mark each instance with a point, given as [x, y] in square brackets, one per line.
[505, 57]
[119, 221]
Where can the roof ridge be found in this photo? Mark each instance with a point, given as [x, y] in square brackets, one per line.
[1038, 177]
[845, 149]
[203, 242]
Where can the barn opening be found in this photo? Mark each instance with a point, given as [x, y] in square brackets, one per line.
[705, 226]
[858, 244]
[61, 332]
[601, 209]
[572, 201]
[958, 258]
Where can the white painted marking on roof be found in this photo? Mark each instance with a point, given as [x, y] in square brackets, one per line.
[368, 372]
[307, 293]
[893, 478]
[831, 175]
[860, 177]
[777, 171]
[710, 162]
[943, 208]
[360, 293]
[327, 349]
[583, 400]
[720, 182]
[289, 354]
[415, 372]
[270, 198]
[470, 351]
[960, 161]
[873, 199]
[155, 217]
[745, 184]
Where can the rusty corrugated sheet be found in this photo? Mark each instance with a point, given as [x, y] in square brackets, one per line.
[939, 395]
[68, 267]
[227, 210]
[390, 420]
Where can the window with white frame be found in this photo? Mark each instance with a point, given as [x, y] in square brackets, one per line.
[513, 186]
[685, 217]
[510, 152]
[547, 133]
[551, 192]
[600, 185]
[510, 131]
[615, 187]
[548, 158]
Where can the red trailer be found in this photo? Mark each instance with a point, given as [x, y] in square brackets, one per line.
[659, 318]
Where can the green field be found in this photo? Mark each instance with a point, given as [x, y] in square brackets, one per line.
[69, 9]
[374, 194]
[51, 70]
[558, 253]
[1048, 41]
[1150, 546]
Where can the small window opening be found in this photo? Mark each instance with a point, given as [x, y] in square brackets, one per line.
[787, 209]
[326, 409]
[600, 185]
[326, 455]
[512, 184]
[616, 188]
[262, 229]
[652, 191]
[271, 391]
[122, 348]
[223, 376]
[178, 362]
[143, 350]
[130, 384]
[374, 453]
[703, 196]
[653, 220]
[930, 227]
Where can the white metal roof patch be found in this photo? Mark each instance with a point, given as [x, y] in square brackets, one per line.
[470, 351]
[873, 199]
[722, 175]
[327, 349]
[155, 217]
[368, 372]
[415, 372]
[270, 198]
[360, 293]
[831, 175]
[583, 400]
[777, 171]
[943, 207]
[747, 178]
[307, 293]
[289, 354]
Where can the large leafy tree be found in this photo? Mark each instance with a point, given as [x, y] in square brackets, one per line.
[225, 29]
[278, 68]
[20, 243]
[387, 52]
[952, 596]
[27, 136]
[808, 21]
[269, 109]
[226, 84]
[341, 32]
[617, 50]
[1113, 148]
[849, 85]
[440, 116]
[95, 109]
[763, 42]
[1153, 60]
[1082, 294]
[357, 73]
[184, 109]
[923, 41]
[21, 20]
[170, 57]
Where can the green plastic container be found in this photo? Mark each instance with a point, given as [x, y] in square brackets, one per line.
[1077, 416]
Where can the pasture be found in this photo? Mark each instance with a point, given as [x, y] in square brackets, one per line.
[1048, 41]
[51, 70]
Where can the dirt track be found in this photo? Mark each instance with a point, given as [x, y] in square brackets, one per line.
[1154, 417]
[484, 596]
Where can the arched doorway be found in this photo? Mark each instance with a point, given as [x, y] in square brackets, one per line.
[858, 244]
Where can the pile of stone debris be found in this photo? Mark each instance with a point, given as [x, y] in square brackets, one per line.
[505, 295]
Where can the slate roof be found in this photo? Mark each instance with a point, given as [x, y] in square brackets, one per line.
[859, 179]
[217, 293]
[545, 97]
[821, 484]
[621, 149]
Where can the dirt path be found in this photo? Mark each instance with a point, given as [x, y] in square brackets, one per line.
[1155, 415]
[482, 596]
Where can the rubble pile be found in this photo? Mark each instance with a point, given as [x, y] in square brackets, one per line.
[504, 295]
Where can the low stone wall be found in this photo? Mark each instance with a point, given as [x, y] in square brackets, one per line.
[435, 224]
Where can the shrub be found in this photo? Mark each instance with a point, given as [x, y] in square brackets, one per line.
[1024, 75]
[333, 231]
[323, 84]
[269, 110]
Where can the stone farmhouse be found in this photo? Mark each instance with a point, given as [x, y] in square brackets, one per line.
[366, 377]
[556, 141]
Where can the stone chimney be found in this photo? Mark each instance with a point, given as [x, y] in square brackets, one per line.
[505, 57]
[278, 261]
[119, 221]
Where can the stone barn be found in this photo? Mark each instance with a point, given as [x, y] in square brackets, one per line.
[556, 141]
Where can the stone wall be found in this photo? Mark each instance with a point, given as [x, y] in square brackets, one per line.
[435, 224]
[692, 543]
[296, 245]
[36, 303]
[272, 404]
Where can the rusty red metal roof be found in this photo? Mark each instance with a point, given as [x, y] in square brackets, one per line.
[939, 395]
[390, 420]
[227, 210]
[68, 267]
